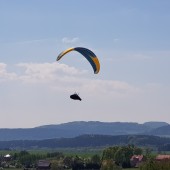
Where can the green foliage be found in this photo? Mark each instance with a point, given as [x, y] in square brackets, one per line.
[26, 159]
[109, 165]
[137, 151]
[56, 165]
[150, 164]
[78, 163]
[81, 152]
[95, 159]
[68, 160]
[148, 152]
[57, 155]
[121, 154]
[109, 153]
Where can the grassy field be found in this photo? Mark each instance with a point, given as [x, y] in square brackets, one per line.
[83, 152]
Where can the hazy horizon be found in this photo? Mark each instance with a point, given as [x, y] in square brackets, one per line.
[61, 123]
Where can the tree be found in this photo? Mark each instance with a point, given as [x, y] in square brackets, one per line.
[95, 159]
[68, 161]
[151, 164]
[109, 153]
[109, 165]
[78, 163]
[56, 165]
[148, 152]
[123, 155]
[137, 151]
[93, 163]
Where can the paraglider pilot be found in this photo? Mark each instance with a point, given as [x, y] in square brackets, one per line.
[75, 96]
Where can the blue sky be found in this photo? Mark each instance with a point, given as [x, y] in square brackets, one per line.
[131, 39]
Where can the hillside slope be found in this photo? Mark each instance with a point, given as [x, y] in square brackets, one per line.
[87, 141]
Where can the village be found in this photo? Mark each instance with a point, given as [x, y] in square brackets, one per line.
[112, 158]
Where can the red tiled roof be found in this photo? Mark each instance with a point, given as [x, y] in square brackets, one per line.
[162, 157]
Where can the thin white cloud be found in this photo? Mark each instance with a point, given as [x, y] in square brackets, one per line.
[108, 88]
[4, 75]
[46, 72]
[67, 40]
[61, 77]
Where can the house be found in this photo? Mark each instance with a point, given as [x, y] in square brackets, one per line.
[162, 158]
[43, 165]
[136, 160]
[7, 157]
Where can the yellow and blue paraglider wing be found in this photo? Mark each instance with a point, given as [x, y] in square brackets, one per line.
[89, 55]
[63, 53]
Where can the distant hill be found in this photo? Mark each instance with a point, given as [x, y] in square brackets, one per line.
[73, 129]
[154, 125]
[96, 127]
[87, 141]
[161, 131]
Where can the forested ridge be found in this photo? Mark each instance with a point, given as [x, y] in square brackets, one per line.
[90, 141]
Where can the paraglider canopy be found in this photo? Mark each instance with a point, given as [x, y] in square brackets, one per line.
[88, 54]
[75, 96]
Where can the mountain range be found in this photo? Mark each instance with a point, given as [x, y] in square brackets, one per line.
[77, 128]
